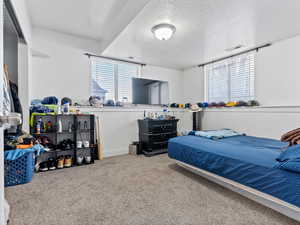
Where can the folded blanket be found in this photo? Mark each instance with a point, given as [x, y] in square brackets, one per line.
[216, 134]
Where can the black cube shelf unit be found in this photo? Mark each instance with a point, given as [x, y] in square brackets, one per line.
[79, 127]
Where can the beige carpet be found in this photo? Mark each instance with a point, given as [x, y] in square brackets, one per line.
[132, 190]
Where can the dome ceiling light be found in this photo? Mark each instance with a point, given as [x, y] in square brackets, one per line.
[163, 31]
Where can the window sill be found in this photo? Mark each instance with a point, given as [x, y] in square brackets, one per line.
[141, 108]
[257, 109]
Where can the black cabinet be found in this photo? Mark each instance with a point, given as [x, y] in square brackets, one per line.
[155, 134]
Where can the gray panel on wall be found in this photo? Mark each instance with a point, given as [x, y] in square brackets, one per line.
[10, 50]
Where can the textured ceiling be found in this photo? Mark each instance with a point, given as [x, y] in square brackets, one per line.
[205, 28]
[100, 20]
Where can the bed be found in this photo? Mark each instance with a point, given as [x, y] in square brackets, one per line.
[243, 164]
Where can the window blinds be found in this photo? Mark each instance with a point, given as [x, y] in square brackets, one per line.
[113, 78]
[103, 79]
[125, 74]
[231, 79]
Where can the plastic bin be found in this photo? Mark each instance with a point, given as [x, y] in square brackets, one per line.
[20, 170]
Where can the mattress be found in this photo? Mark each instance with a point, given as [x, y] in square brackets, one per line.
[244, 159]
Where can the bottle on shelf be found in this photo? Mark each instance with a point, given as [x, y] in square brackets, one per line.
[38, 126]
[66, 108]
[58, 109]
[60, 128]
[70, 127]
[85, 125]
[49, 127]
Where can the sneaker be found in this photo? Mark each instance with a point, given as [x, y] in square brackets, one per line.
[87, 159]
[68, 161]
[60, 162]
[52, 164]
[79, 160]
[44, 166]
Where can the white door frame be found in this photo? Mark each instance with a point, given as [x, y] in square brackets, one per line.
[1, 129]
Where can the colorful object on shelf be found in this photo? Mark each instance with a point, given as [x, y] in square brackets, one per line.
[205, 104]
[51, 100]
[24, 146]
[231, 104]
[221, 104]
[49, 127]
[119, 104]
[200, 104]
[96, 101]
[241, 103]
[174, 105]
[253, 103]
[187, 105]
[66, 100]
[213, 104]
[110, 103]
[36, 102]
[181, 106]
[195, 108]
[40, 109]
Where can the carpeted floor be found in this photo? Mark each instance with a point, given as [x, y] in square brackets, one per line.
[132, 190]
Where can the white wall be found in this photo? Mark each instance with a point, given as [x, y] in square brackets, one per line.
[277, 84]
[174, 77]
[60, 67]
[119, 127]
[261, 122]
[193, 84]
[277, 74]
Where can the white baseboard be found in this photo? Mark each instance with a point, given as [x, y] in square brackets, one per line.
[115, 152]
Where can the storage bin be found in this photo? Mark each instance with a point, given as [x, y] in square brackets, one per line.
[20, 170]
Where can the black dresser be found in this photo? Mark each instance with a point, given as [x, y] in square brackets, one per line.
[154, 135]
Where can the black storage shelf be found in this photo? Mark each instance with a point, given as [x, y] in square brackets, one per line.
[78, 134]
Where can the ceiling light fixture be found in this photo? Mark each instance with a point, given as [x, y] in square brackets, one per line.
[163, 31]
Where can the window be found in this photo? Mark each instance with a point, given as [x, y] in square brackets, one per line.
[231, 79]
[112, 79]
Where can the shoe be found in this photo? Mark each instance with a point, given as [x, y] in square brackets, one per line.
[79, 160]
[44, 166]
[68, 161]
[87, 159]
[52, 164]
[60, 162]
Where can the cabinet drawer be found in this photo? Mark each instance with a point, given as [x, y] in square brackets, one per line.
[156, 145]
[159, 136]
[162, 127]
[157, 126]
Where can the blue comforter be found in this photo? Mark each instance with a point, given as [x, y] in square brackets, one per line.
[250, 161]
